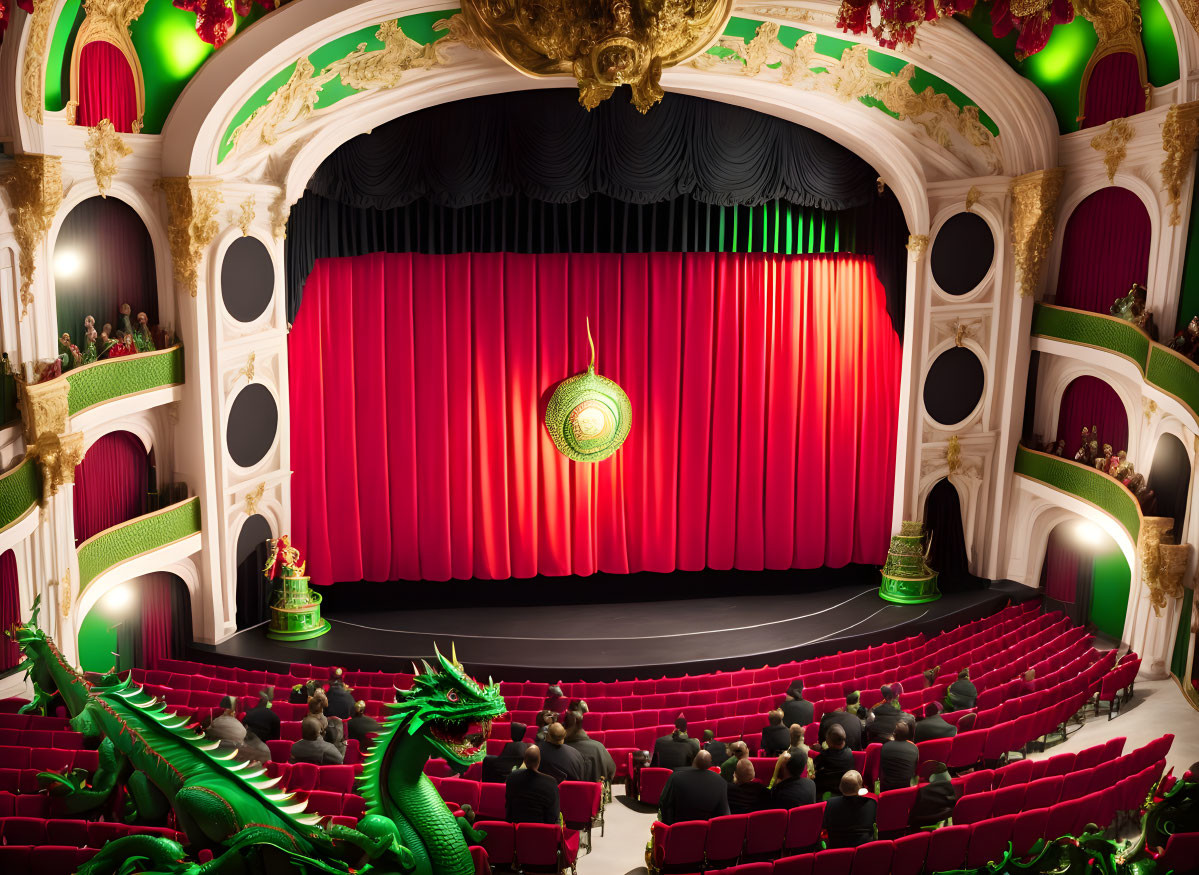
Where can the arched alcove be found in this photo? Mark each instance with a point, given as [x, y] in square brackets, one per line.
[253, 588]
[10, 610]
[1086, 575]
[110, 484]
[1113, 87]
[1087, 402]
[1105, 249]
[137, 623]
[948, 553]
[1170, 479]
[89, 281]
[105, 86]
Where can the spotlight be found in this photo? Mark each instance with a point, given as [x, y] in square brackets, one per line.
[67, 264]
[1088, 534]
[118, 600]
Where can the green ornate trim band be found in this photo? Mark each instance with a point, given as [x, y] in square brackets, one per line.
[1088, 484]
[136, 537]
[20, 489]
[116, 378]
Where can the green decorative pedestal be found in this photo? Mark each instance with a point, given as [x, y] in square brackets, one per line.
[296, 612]
[907, 579]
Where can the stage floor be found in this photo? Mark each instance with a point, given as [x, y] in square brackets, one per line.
[619, 640]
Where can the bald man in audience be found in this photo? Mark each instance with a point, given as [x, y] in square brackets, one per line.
[775, 737]
[529, 795]
[795, 788]
[738, 751]
[560, 762]
[361, 727]
[716, 748]
[676, 750]
[833, 762]
[850, 817]
[745, 794]
[694, 793]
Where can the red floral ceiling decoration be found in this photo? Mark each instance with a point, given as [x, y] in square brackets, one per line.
[215, 18]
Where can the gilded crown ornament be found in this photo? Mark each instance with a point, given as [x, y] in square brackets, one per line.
[603, 43]
[588, 416]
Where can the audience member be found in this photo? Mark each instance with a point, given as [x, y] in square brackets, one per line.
[225, 727]
[717, 749]
[962, 694]
[362, 728]
[797, 747]
[796, 788]
[797, 709]
[934, 725]
[301, 693]
[934, 800]
[930, 675]
[848, 720]
[560, 762]
[745, 794]
[555, 701]
[253, 750]
[897, 760]
[677, 750]
[694, 793]
[850, 817]
[260, 719]
[529, 795]
[597, 762]
[738, 751]
[833, 762]
[886, 714]
[341, 700]
[579, 706]
[335, 734]
[775, 737]
[515, 749]
[316, 708]
[312, 748]
[543, 720]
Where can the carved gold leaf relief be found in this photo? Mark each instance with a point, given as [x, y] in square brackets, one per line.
[34, 188]
[1180, 132]
[246, 215]
[192, 225]
[972, 197]
[1113, 143]
[33, 72]
[105, 148]
[1034, 211]
[252, 499]
[916, 245]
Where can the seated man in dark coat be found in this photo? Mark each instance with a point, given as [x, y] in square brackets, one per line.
[260, 719]
[677, 750]
[341, 700]
[598, 763]
[362, 728]
[796, 788]
[848, 720]
[530, 796]
[933, 725]
[738, 751]
[716, 748]
[312, 747]
[833, 762]
[745, 794]
[962, 694]
[560, 762]
[694, 793]
[886, 714]
[555, 701]
[776, 738]
[897, 760]
[934, 800]
[797, 709]
[850, 817]
[496, 768]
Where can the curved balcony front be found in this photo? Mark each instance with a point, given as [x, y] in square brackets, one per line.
[176, 527]
[149, 377]
[1159, 367]
[20, 490]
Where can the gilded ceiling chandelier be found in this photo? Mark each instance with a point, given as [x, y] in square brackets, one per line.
[603, 43]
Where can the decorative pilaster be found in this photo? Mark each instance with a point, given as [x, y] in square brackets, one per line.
[192, 226]
[34, 188]
[105, 148]
[1034, 211]
[1180, 132]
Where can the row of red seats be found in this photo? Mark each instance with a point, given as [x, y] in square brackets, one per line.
[63, 739]
[48, 759]
[24, 804]
[76, 833]
[693, 845]
[44, 859]
[9, 720]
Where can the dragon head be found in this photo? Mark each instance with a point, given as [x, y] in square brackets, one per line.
[445, 705]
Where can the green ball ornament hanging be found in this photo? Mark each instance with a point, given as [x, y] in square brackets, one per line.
[588, 416]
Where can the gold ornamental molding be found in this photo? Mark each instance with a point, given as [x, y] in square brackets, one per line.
[1113, 143]
[246, 215]
[108, 21]
[1163, 563]
[1180, 132]
[105, 148]
[34, 188]
[953, 455]
[916, 246]
[602, 45]
[1034, 212]
[192, 226]
[44, 417]
[973, 196]
[33, 72]
[252, 499]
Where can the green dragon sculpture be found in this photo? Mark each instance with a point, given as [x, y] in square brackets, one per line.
[233, 811]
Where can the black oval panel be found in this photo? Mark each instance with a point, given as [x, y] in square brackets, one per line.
[953, 386]
[247, 279]
[962, 253]
[253, 421]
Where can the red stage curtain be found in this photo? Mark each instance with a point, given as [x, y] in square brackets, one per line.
[765, 402]
[110, 484]
[106, 88]
[1105, 250]
[1114, 90]
[157, 622]
[10, 609]
[1059, 577]
[1090, 401]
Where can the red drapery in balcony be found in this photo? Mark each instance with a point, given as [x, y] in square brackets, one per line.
[1090, 401]
[106, 87]
[765, 406]
[1114, 90]
[1105, 249]
[10, 609]
[1059, 577]
[158, 618]
[110, 484]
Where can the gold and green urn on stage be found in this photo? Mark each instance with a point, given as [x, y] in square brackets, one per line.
[907, 579]
[295, 606]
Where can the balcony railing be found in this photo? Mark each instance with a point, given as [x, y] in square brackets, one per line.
[20, 489]
[1161, 367]
[122, 377]
[136, 537]
[1083, 482]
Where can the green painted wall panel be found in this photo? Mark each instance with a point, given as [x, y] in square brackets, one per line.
[58, 56]
[1182, 640]
[1161, 49]
[1110, 584]
[1188, 301]
[96, 641]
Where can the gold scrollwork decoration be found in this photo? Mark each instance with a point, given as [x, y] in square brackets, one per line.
[973, 196]
[1034, 212]
[1163, 563]
[247, 370]
[953, 455]
[246, 215]
[33, 73]
[34, 188]
[1113, 143]
[1180, 133]
[105, 148]
[192, 226]
[252, 499]
[44, 417]
[916, 246]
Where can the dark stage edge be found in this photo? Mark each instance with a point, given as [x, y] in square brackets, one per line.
[618, 641]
